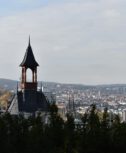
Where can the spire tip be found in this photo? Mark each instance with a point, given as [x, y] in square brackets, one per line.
[29, 41]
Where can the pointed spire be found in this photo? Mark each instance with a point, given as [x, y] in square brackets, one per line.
[29, 59]
[29, 44]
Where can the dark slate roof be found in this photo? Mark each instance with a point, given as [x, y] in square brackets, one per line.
[29, 59]
[32, 101]
[29, 101]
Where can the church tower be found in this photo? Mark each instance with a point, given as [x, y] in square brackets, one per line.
[28, 100]
[29, 62]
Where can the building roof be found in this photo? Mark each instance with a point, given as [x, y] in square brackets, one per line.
[29, 59]
[29, 101]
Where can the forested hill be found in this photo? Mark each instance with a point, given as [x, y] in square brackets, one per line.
[12, 84]
[8, 84]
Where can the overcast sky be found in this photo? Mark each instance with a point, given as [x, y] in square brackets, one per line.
[74, 41]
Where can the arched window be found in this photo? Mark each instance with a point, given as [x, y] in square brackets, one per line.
[29, 75]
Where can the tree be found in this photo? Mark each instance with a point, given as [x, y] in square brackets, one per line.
[92, 137]
[54, 132]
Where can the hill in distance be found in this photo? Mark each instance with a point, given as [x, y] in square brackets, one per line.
[8, 84]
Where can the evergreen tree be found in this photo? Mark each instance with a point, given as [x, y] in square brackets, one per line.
[70, 143]
[55, 132]
[93, 131]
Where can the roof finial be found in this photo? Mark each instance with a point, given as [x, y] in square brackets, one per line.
[29, 41]
[17, 87]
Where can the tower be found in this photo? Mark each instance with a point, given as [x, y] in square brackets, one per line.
[29, 62]
[28, 100]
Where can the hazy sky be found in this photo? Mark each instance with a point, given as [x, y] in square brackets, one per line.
[74, 41]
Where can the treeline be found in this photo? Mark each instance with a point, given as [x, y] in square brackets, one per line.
[95, 135]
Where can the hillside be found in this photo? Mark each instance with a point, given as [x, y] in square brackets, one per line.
[8, 84]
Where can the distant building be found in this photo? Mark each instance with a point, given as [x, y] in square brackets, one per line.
[28, 100]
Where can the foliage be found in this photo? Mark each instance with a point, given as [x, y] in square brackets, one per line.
[93, 135]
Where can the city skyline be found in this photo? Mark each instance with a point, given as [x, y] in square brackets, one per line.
[80, 41]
